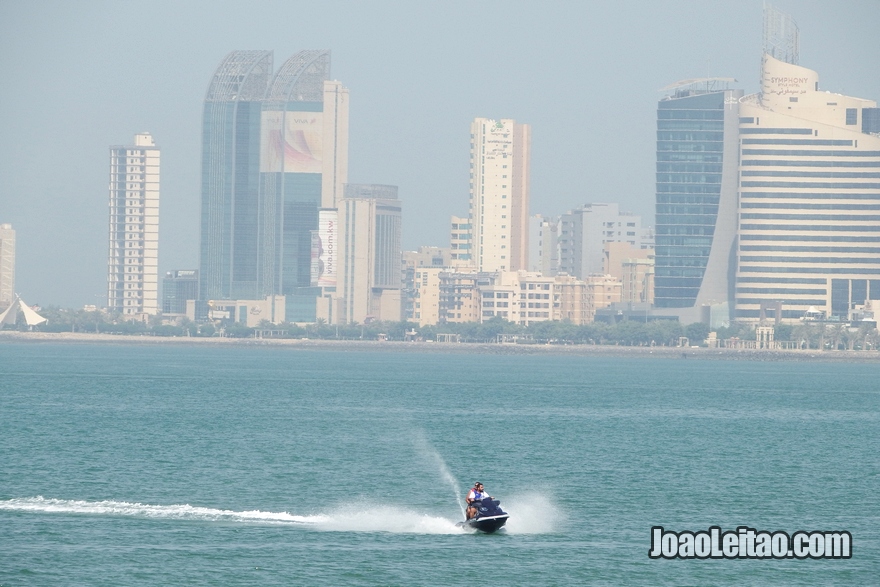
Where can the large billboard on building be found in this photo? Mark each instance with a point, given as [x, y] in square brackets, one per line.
[325, 250]
[292, 142]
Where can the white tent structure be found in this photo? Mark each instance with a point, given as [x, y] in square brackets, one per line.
[11, 314]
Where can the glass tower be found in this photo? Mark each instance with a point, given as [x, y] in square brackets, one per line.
[696, 196]
[275, 151]
[230, 177]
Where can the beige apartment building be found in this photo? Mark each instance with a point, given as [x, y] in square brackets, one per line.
[571, 300]
[526, 297]
[499, 194]
[501, 298]
[459, 295]
[634, 268]
[522, 297]
[602, 291]
[370, 225]
[426, 295]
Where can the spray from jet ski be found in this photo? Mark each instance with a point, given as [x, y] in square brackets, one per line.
[431, 454]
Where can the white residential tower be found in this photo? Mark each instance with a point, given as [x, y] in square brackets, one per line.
[133, 264]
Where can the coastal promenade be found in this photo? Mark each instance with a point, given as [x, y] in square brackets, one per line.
[700, 353]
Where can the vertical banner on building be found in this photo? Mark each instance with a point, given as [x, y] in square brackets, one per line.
[315, 268]
[324, 250]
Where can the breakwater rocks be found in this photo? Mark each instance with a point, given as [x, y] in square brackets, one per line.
[468, 348]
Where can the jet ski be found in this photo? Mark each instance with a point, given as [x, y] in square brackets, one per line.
[489, 516]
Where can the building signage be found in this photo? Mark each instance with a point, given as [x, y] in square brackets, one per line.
[785, 79]
[292, 142]
[325, 250]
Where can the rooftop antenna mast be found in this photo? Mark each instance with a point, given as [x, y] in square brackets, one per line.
[780, 35]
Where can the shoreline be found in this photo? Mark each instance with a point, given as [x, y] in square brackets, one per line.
[585, 350]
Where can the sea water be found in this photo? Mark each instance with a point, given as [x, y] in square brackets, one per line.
[217, 465]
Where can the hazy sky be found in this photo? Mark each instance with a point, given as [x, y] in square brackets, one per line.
[78, 77]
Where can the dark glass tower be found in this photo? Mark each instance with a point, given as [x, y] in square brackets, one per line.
[230, 177]
[697, 145]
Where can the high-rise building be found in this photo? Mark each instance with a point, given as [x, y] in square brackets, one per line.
[583, 232]
[499, 194]
[7, 266]
[303, 169]
[274, 153]
[133, 260]
[697, 176]
[809, 233]
[230, 259]
[370, 284]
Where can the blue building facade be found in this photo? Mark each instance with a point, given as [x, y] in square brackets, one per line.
[697, 167]
[230, 237]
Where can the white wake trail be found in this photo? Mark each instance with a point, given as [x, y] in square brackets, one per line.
[352, 519]
[140, 510]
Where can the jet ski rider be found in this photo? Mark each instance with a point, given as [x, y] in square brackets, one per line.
[474, 495]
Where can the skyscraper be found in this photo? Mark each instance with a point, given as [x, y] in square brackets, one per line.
[7, 266]
[303, 166]
[275, 151]
[370, 284]
[697, 174]
[809, 234]
[133, 260]
[499, 194]
[230, 220]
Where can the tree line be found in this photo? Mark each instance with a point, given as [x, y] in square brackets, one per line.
[628, 333]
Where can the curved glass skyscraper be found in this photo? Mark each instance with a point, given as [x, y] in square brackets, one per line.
[275, 152]
[697, 143]
[230, 176]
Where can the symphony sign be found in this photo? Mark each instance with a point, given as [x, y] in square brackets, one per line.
[785, 79]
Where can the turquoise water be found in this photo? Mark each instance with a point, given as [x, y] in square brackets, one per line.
[194, 465]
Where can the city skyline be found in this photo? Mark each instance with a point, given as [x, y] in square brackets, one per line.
[409, 122]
